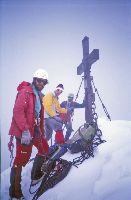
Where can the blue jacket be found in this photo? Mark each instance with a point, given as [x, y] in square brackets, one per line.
[66, 104]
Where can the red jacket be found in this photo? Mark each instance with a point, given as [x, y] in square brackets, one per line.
[24, 111]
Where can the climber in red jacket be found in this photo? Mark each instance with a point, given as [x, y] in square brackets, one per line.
[28, 129]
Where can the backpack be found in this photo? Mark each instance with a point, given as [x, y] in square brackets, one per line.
[82, 138]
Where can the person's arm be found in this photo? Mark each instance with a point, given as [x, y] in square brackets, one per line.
[79, 105]
[63, 104]
[19, 111]
[59, 108]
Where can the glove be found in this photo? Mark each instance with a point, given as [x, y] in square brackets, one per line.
[58, 119]
[26, 137]
[70, 110]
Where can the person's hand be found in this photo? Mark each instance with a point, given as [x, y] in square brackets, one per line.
[26, 137]
[58, 119]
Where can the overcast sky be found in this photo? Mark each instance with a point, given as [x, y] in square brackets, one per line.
[49, 34]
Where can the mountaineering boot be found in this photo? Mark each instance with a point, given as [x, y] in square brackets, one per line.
[15, 191]
[36, 172]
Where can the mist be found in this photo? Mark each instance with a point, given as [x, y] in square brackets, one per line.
[48, 35]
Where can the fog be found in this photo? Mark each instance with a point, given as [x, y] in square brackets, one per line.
[40, 34]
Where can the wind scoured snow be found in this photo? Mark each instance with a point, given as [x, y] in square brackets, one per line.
[107, 176]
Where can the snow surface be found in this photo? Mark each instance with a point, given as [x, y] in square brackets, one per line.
[107, 176]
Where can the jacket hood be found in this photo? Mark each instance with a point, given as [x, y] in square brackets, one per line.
[24, 85]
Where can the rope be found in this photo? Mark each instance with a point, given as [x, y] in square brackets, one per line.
[88, 152]
[57, 174]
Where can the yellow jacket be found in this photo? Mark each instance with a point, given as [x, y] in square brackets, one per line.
[52, 106]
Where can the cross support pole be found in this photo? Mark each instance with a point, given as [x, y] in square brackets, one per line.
[85, 67]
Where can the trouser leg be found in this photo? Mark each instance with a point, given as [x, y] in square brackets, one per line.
[15, 182]
[57, 127]
[43, 148]
[53, 125]
[23, 153]
[36, 172]
[59, 137]
[68, 131]
[12, 182]
[48, 129]
[67, 136]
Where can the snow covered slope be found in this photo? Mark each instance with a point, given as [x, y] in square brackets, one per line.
[107, 176]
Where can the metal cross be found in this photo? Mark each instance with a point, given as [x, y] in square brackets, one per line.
[85, 66]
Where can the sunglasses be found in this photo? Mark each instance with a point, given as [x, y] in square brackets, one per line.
[41, 80]
[58, 90]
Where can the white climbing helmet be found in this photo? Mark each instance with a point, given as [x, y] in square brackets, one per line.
[70, 95]
[41, 73]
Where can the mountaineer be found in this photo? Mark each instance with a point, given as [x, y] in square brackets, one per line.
[53, 111]
[70, 104]
[28, 129]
